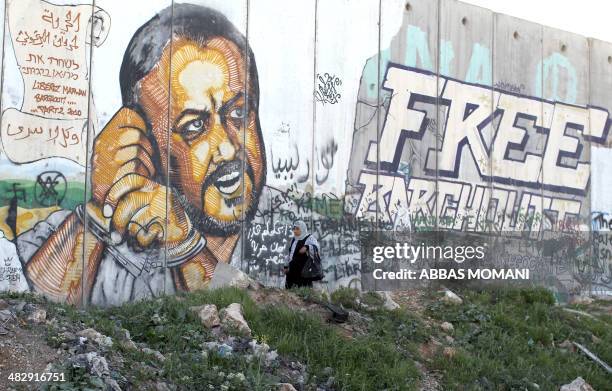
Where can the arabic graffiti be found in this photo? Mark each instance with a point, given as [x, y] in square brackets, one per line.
[59, 31]
[326, 160]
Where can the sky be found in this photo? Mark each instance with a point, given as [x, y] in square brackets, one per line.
[590, 18]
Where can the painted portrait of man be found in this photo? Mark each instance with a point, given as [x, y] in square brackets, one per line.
[174, 173]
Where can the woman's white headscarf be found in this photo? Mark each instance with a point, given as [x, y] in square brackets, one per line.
[311, 242]
[303, 229]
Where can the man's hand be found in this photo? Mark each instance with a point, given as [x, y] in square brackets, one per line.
[124, 189]
[142, 209]
[303, 250]
[122, 148]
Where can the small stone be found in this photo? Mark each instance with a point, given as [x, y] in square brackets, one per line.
[92, 335]
[286, 387]
[567, 345]
[212, 345]
[259, 349]
[447, 327]
[225, 350]
[5, 315]
[3, 304]
[112, 383]
[19, 306]
[160, 357]
[97, 364]
[125, 340]
[233, 320]
[161, 386]
[581, 300]
[38, 316]
[67, 336]
[208, 315]
[595, 339]
[449, 352]
[449, 339]
[390, 304]
[577, 385]
[450, 297]
[271, 356]
[217, 332]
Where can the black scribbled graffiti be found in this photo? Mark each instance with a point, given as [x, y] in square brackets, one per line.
[11, 217]
[326, 160]
[50, 188]
[510, 87]
[327, 88]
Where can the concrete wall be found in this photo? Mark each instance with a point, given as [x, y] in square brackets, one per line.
[118, 183]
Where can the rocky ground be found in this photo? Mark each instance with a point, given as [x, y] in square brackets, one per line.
[232, 341]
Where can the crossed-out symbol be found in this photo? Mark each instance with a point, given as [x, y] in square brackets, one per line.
[50, 188]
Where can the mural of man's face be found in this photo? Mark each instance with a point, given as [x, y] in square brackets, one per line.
[213, 135]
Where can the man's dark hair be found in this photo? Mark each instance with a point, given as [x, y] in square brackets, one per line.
[194, 22]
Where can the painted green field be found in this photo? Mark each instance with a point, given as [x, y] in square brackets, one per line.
[32, 195]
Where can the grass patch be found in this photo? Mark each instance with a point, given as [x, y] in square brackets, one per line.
[346, 297]
[381, 359]
[367, 362]
[310, 295]
[504, 339]
[508, 340]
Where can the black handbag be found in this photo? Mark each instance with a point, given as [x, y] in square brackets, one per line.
[313, 270]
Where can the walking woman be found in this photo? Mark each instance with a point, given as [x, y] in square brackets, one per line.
[301, 244]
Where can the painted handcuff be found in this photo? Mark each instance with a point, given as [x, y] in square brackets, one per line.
[176, 255]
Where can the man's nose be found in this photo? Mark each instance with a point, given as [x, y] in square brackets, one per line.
[226, 148]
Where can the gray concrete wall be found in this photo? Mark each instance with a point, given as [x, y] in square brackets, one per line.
[352, 115]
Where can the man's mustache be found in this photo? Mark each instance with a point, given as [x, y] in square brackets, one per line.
[196, 212]
[226, 172]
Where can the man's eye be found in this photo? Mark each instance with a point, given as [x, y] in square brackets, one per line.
[194, 126]
[237, 113]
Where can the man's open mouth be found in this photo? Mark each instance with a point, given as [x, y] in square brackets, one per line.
[227, 178]
[229, 183]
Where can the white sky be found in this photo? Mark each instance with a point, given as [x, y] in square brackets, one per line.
[586, 17]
